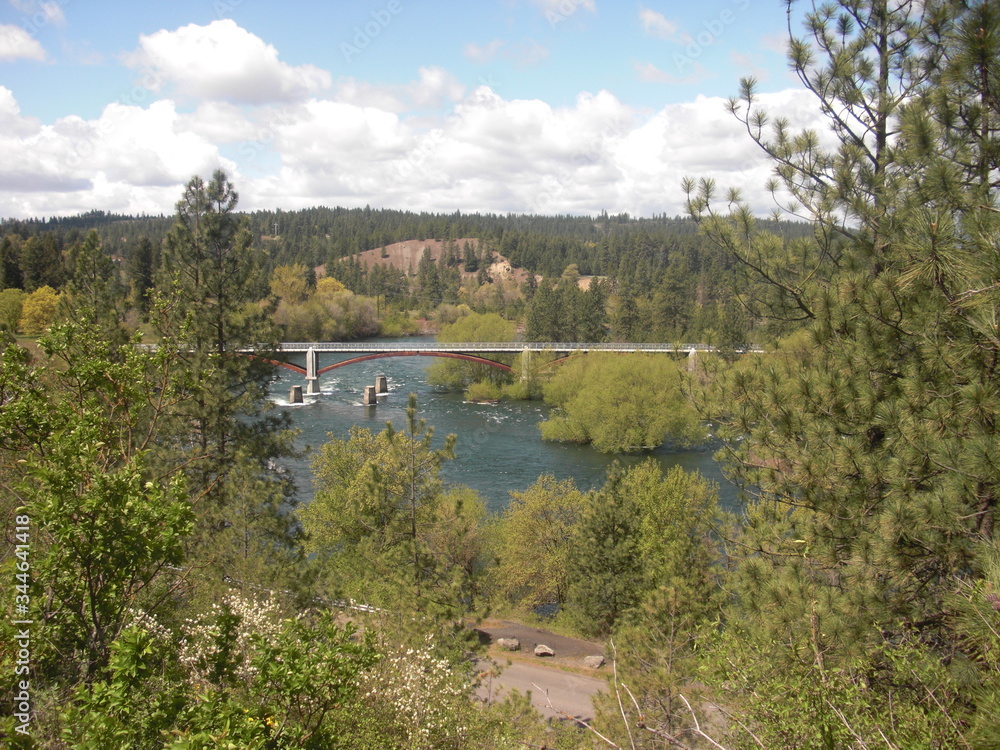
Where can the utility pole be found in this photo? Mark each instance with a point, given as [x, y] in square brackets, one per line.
[275, 229]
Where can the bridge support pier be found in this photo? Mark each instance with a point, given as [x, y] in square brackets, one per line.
[381, 384]
[312, 375]
[295, 394]
[692, 359]
[370, 397]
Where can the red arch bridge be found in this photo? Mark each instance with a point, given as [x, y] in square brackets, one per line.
[471, 352]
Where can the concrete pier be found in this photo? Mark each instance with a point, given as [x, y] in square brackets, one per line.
[370, 397]
[312, 372]
[295, 395]
[381, 384]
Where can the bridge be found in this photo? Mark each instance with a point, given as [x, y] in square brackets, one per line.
[468, 351]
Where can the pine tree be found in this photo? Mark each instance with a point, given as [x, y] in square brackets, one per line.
[869, 439]
[470, 261]
[211, 284]
[94, 289]
[543, 314]
[11, 276]
[41, 262]
[142, 266]
[605, 570]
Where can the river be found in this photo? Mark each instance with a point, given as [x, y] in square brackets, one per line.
[499, 446]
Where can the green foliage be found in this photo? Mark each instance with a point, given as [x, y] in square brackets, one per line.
[327, 316]
[620, 404]
[868, 441]
[399, 324]
[39, 310]
[211, 284]
[818, 701]
[457, 374]
[974, 609]
[11, 276]
[290, 283]
[259, 545]
[659, 642]
[287, 681]
[142, 268]
[532, 543]
[41, 262]
[11, 304]
[446, 314]
[605, 570]
[645, 556]
[104, 532]
[94, 287]
[386, 528]
[565, 312]
[484, 391]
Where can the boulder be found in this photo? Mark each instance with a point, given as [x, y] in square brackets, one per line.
[542, 650]
[594, 662]
[509, 644]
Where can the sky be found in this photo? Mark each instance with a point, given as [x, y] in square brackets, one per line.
[501, 106]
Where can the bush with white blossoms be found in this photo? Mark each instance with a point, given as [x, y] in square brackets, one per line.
[428, 699]
[218, 645]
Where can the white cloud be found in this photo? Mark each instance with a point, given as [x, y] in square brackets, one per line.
[12, 124]
[651, 74]
[224, 62]
[434, 88]
[130, 159]
[656, 24]
[485, 153]
[222, 122]
[482, 53]
[16, 43]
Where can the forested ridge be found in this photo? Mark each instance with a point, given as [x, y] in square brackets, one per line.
[168, 591]
[545, 244]
[686, 282]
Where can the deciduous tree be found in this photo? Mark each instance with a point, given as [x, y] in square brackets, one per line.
[532, 543]
[620, 403]
[39, 310]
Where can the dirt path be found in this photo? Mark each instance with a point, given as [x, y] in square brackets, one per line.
[561, 680]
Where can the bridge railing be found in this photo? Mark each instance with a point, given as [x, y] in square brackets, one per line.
[486, 346]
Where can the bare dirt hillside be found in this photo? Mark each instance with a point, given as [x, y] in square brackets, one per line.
[406, 256]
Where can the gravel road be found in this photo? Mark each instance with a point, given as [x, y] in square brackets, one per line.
[555, 691]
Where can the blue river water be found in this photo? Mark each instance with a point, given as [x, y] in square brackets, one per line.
[499, 447]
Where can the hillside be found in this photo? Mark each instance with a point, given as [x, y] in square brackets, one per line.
[405, 256]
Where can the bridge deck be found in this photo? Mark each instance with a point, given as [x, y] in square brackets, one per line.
[487, 347]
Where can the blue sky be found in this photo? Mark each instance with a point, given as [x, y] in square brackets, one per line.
[546, 106]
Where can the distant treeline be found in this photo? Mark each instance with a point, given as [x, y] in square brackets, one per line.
[663, 280]
[544, 244]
